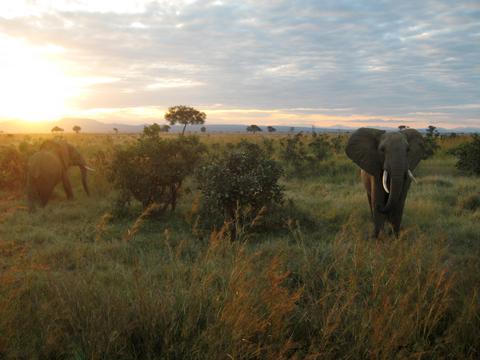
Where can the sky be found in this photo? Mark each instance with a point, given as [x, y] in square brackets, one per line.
[305, 62]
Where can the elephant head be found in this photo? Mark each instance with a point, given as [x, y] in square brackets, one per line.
[391, 157]
[69, 156]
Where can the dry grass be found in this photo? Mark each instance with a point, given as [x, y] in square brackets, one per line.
[91, 286]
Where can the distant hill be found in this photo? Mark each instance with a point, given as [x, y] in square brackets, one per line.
[95, 126]
[87, 125]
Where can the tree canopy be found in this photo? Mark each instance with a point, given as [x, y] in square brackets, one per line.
[184, 115]
[76, 128]
[253, 128]
[57, 129]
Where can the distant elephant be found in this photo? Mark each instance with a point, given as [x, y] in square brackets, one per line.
[49, 166]
[387, 161]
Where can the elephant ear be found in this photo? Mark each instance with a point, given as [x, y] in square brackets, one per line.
[59, 148]
[75, 157]
[362, 148]
[417, 147]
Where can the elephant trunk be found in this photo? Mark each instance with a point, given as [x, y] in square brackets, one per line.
[396, 179]
[83, 170]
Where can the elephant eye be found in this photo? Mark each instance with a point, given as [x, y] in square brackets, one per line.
[382, 149]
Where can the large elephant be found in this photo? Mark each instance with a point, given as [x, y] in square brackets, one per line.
[387, 161]
[49, 166]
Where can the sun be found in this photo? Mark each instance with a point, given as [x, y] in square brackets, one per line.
[33, 85]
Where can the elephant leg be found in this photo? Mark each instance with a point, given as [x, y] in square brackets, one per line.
[32, 195]
[378, 199]
[369, 197]
[379, 222]
[395, 217]
[44, 196]
[67, 186]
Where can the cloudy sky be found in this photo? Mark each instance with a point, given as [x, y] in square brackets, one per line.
[305, 62]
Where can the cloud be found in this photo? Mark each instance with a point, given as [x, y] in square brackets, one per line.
[375, 59]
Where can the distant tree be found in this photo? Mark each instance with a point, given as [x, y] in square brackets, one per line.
[152, 130]
[431, 142]
[271, 129]
[402, 127]
[185, 115]
[203, 129]
[76, 128]
[56, 129]
[432, 131]
[292, 129]
[116, 130]
[164, 128]
[253, 128]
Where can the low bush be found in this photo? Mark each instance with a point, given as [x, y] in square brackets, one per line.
[13, 166]
[152, 170]
[303, 155]
[468, 155]
[240, 182]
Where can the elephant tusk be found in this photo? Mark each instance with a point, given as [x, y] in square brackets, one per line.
[384, 181]
[411, 176]
[89, 169]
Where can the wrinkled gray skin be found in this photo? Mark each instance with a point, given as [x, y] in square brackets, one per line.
[48, 167]
[396, 152]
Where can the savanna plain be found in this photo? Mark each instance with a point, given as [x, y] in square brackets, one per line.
[302, 280]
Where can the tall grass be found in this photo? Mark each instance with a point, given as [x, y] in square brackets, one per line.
[77, 283]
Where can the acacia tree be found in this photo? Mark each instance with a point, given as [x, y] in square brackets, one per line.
[253, 128]
[185, 115]
[56, 129]
[271, 129]
[76, 128]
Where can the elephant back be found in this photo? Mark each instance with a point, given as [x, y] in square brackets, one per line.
[45, 166]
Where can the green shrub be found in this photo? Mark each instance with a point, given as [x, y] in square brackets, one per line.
[338, 143]
[319, 148]
[13, 166]
[243, 180]
[303, 154]
[468, 155]
[152, 170]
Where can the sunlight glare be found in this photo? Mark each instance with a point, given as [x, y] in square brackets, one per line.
[33, 86]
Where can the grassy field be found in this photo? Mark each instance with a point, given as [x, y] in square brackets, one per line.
[77, 283]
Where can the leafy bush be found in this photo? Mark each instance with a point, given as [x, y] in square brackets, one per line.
[241, 180]
[152, 170]
[338, 143]
[294, 152]
[468, 155]
[303, 155]
[13, 166]
[319, 148]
